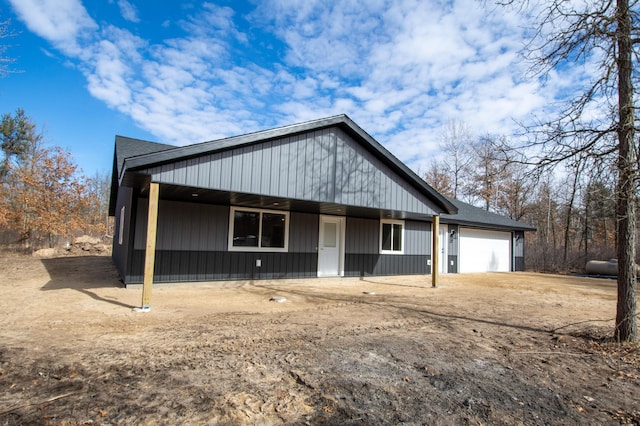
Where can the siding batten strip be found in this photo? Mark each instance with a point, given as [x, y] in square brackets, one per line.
[150, 249]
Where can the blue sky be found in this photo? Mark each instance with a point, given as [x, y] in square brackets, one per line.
[187, 72]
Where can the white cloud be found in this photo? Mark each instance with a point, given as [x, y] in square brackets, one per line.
[331, 37]
[107, 77]
[109, 65]
[65, 23]
[399, 68]
[47, 53]
[212, 21]
[128, 11]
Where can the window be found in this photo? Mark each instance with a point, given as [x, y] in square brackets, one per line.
[258, 230]
[121, 226]
[391, 236]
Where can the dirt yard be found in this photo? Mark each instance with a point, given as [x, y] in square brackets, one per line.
[516, 348]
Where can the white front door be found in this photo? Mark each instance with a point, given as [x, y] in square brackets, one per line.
[330, 246]
[444, 249]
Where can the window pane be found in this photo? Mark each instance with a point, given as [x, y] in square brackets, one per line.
[386, 236]
[397, 237]
[245, 228]
[273, 230]
[330, 234]
[121, 227]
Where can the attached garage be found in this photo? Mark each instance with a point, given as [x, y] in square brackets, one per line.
[481, 241]
[483, 250]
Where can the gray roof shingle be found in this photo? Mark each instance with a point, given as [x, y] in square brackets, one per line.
[475, 216]
[130, 147]
[126, 148]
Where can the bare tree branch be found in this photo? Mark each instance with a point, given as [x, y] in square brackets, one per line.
[596, 39]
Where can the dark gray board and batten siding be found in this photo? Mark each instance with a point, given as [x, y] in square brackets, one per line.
[192, 240]
[192, 243]
[324, 166]
[362, 249]
[121, 249]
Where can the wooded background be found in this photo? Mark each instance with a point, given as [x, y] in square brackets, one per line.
[45, 200]
[572, 205]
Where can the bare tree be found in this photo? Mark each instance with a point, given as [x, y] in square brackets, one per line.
[488, 172]
[5, 61]
[599, 122]
[573, 189]
[437, 175]
[514, 191]
[598, 219]
[457, 145]
[542, 212]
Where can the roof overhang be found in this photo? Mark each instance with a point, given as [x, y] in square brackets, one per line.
[207, 196]
[488, 226]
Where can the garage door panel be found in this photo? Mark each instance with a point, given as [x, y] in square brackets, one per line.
[484, 251]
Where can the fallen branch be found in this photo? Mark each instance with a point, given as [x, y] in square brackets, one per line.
[585, 321]
[580, 322]
[549, 353]
[54, 398]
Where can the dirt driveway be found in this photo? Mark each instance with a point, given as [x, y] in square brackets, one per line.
[515, 348]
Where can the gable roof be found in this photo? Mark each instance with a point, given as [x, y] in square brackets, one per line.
[126, 148]
[477, 217]
[129, 147]
[145, 155]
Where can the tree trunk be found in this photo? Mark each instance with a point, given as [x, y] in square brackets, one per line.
[567, 226]
[585, 230]
[626, 321]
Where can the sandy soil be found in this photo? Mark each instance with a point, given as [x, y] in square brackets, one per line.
[516, 348]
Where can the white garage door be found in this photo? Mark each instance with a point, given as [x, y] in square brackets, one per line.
[484, 251]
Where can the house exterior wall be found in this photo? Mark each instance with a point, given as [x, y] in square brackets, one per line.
[362, 249]
[192, 246]
[185, 226]
[325, 166]
[123, 231]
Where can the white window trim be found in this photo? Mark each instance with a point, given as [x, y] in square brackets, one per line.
[121, 226]
[230, 245]
[392, 221]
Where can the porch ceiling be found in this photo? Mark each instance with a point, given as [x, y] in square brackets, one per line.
[207, 196]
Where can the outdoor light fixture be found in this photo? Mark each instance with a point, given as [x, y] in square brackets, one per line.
[452, 234]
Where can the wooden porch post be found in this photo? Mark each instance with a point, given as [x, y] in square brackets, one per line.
[435, 251]
[150, 248]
